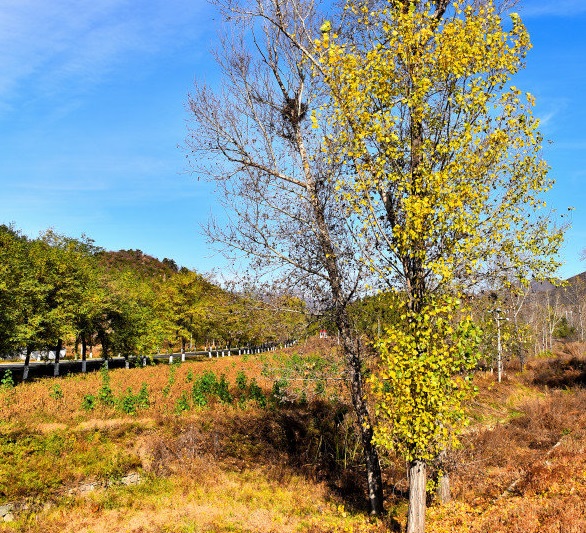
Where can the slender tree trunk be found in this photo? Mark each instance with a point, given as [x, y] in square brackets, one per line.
[417, 482]
[443, 482]
[443, 488]
[27, 360]
[104, 343]
[57, 356]
[83, 354]
[373, 470]
[350, 344]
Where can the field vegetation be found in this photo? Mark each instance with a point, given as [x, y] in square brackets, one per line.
[267, 443]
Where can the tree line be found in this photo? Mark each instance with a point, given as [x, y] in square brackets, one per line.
[58, 291]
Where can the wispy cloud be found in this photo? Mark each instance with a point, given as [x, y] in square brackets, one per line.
[559, 8]
[49, 46]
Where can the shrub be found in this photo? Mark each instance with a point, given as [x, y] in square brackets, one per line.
[197, 395]
[130, 403]
[7, 382]
[105, 395]
[279, 392]
[223, 390]
[320, 387]
[208, 383]
[241, 381]
[171, 380]
[89, 402]
[208, 386]
[182, 403]
[142, 398]
[255, 393]
[127, 403]
[56, 392]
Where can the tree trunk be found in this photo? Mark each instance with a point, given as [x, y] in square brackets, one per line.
[350, 344]
[83, 354]
[417, 482]
[443, 488]
[57, 356]
[26, 363]
[373, 470]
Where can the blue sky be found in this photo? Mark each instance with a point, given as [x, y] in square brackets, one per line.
[92, 110]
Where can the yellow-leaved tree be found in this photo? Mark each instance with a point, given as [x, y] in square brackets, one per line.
[445, 175]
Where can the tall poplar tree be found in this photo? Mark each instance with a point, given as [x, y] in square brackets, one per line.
[445, 174]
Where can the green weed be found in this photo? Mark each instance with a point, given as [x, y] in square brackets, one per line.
[7, 381]
[56, 392]
[89, 402]
[182, 403]
[105, 394]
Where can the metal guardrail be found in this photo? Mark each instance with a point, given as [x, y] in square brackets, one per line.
[75, 366]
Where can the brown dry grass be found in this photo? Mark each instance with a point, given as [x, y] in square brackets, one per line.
[222, 468]
[525, 470]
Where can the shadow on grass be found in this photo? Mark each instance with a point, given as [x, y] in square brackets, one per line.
[561, 373]
[317, 440]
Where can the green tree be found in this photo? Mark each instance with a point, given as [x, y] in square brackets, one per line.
[63, 265]
[21, 295]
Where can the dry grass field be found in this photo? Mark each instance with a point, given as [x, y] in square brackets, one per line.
[92, 453]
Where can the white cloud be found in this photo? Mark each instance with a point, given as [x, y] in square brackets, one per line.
[559, 8]
[51, 46]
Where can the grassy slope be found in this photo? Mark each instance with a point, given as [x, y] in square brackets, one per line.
[242, 468]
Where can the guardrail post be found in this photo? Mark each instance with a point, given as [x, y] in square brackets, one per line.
[171, 359]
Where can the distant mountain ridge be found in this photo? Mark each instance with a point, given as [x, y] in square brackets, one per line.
[572, 282]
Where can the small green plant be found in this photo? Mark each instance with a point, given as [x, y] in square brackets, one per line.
[182, 403]
[56, 392]
[130, 403]
[189, 376]
[142, 399]
[7, 382]
[127, 403]
[223, 390]
[303, 398]
[208, 383]
[255, 393]
[89, 402]
[197, 395]
[241, 381]
[105, 395]
[320, 387]
[170, 381]
[279, 392]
